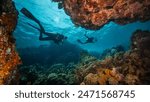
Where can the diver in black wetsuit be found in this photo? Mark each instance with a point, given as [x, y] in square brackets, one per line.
[57, 38]
[89, 40]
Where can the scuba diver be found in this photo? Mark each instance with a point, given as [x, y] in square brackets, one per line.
[88, 40]
[57, 38]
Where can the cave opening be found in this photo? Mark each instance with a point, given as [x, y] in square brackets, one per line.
[49, 60]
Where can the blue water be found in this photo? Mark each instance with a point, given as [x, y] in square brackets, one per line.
[55, 20]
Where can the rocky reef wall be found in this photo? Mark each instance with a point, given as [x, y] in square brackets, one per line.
[9, 58]
[93, 14]
[131, 67]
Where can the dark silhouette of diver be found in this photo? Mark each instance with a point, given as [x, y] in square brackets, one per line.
[57, 38]
[88, 40]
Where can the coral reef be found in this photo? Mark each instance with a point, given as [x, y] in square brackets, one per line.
[115, 65]
[103, 77]
[57, 74]
[131, 67]
[93, 14]
[91, 71]
[9, 58]
[112, 51]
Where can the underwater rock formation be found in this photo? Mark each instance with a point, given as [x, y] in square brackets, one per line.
[131, 67]
[93, 14]
[9, 58]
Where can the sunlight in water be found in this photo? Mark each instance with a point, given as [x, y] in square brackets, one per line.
[55, 20]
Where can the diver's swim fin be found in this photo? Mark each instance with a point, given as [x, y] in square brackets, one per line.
[28, 14]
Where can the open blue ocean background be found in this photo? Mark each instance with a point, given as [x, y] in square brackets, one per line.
[55, 20]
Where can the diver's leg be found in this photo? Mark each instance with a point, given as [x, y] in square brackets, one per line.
[34, 27]
[32, 17]
[44, 39]
[48, 34]
[41, 33]
[41, 38]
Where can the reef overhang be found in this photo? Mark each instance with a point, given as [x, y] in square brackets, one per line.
[93, 14]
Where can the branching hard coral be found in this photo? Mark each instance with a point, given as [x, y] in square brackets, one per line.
[131, 67]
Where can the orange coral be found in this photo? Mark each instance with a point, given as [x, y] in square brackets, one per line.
[131, 67]
[96, 13]
[9, 58]
[108, 76]
[103, 77]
